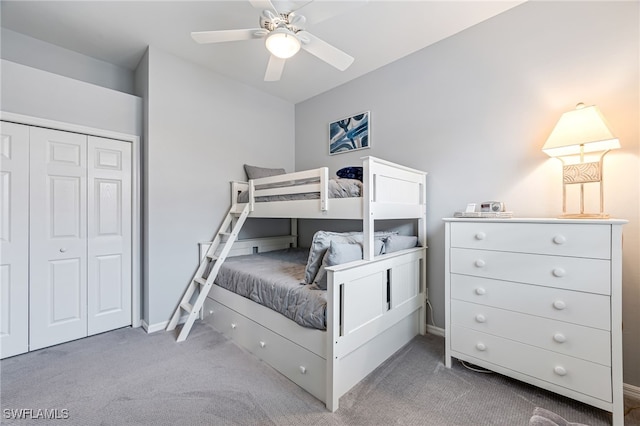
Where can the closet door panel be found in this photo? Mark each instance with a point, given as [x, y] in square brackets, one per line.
[58, 237]
[109, 234]
[14, 239]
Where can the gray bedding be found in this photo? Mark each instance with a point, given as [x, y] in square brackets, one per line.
[338, 188]
[273, 279]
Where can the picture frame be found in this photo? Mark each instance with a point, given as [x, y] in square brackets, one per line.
[350, 133]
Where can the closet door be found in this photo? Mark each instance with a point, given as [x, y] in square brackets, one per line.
[109, 234]
[14, 239]
[58, 240]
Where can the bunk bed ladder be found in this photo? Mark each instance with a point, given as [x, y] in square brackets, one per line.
[211, 261]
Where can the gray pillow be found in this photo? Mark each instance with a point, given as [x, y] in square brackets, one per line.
[254, 172]
[339, 253]
[399, 242]
[320, 244]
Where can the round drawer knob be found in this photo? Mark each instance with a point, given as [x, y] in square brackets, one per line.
[480, 291]
[480, 236]
[233, 325]
[559, 305]
[559, 337]
[263, 344]
[559, 239]
[558, 272]
[480, 263]
[560, 371]
[63, 250]
[480, 318]
[481, 346]
[303, 369]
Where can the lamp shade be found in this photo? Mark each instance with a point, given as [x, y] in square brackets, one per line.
[282, 43]
[581, 130]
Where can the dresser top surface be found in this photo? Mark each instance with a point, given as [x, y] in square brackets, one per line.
[537, 220]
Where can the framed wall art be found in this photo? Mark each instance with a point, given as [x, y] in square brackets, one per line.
[350, 133]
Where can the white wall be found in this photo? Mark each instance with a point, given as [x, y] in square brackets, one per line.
[45, 56]
[475, 109]
[201, 128]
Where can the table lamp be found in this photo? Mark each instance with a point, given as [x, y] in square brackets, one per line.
[580, 139]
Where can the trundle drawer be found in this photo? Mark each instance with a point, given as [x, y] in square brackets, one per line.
[574, 340]
[295, 362]
[578, 375]
[590, 275]
[593, 241]
[591, 310]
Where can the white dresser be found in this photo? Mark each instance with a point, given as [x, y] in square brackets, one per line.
[539, 300]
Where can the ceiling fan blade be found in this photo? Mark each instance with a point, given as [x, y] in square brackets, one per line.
[274, 68]
[323, 50]
[226, 35]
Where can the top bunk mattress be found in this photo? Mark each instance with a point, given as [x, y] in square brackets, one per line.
[337, 188]
[273, 279]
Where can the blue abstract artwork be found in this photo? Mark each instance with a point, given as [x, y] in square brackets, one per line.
[349, 133]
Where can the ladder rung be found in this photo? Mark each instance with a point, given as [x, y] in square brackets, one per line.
[212, 256]
[187, 306]
[225, 234]
[201, 280]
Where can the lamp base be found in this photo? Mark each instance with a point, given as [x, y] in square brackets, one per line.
[584, 216]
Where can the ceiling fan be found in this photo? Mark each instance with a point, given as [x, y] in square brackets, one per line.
[284, 36]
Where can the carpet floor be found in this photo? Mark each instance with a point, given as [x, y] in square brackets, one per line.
[128, 377]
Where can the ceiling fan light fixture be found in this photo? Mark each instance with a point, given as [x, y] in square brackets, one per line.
[282, 43]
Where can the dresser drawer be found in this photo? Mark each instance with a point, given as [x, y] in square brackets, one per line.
[586, 343]
[593, 241]
[587, 309]
[581, 376]
[590, 275]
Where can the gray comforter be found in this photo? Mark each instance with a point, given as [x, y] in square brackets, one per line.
[273, 280]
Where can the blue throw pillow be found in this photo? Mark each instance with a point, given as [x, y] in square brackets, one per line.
[350, 173]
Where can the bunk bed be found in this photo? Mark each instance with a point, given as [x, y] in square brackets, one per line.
[374, 306]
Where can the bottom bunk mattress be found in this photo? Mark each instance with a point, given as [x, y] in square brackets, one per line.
[273, 279]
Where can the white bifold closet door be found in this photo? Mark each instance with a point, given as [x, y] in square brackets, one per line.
[14, 239]
[80, 236]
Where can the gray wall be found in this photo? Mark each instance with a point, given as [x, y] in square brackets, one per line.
[475, 109]
[45, 56]
[33, 92]
[201, 128]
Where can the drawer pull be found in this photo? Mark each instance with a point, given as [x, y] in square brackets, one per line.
[559, 337]
[263, 344]
[480, 263]
[481, 346]
[559, 305]
[303, 369]
[480, 236]
[559, 239]
[480, 318]
[560, 371]
[559, 272]
[233, 325]
[480, 291]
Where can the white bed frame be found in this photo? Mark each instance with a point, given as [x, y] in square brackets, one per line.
[374, 306]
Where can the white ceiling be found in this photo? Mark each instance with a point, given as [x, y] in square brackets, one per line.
[375, 33]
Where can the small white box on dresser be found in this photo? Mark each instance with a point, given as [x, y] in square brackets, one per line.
[539, 300]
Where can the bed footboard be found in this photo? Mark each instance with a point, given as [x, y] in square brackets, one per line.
[374, 308]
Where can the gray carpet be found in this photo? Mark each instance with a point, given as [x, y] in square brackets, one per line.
[127, 377]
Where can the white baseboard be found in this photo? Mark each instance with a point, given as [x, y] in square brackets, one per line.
[437, 331]
[160, 326]
[631, 391]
